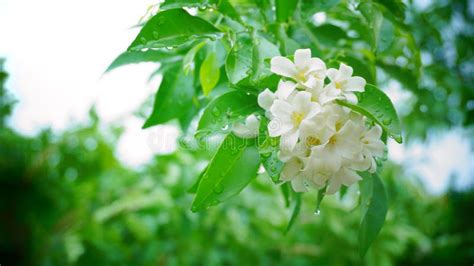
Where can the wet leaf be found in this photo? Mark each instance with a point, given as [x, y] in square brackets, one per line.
[233, 166]
[171, 28]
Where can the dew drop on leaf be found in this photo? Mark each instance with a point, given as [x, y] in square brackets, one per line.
[218, 189]
[156, 35]
[160, 21]
[143, 40]
[387, 121]
[216, 111]
[317, 212]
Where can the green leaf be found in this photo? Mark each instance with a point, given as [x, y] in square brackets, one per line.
[224, 110]
[374, 208]
[174, 98]
[374, 18]
[136, 57]
[404, 75]
[247, 63]
[194, 187]
[226, 8]
[188, 60]
[285, 191]
[263, 50]
[223, 6]
[296, 211]
[170, 4]
[309, 7]
[386, 36]
[284, 9]
[209, 73]
[328, 34]
[171, 28]
[238, 64]
[269, 149]
[233, 166]
[376, 105]
[396, 7]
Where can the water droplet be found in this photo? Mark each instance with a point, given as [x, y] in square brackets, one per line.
[218, 189]
[160, 21]
[387, 121]
[273, 168]
[225, 127]
[317, 212]
[156, 35]
[193, 208]
[215, 202]
[216, 111]
[143, 40]
[212, 37]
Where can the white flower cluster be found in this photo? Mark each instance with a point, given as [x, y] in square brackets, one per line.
[321, 142]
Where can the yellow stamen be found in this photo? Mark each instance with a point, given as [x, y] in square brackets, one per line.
[332, 140]
[297, 118]
[312, 141]
[300, 76]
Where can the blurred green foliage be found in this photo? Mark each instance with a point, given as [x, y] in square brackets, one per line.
[66, 200]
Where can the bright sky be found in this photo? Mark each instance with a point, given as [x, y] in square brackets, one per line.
[57, 50]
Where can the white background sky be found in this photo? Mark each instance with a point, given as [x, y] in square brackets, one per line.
[57, 50]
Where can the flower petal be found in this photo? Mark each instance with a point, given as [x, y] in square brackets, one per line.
[345, 71]
[334, 185]
[285, 88]
[277, 128]
[349, 177]
[302, 100]
[298, 185]
[283, 66]
[288, 140]
[265, 99]
[351, 97]
[302, 57]
[290, 169]
[281, 109]
[355, 84]
[314, 109]
[317, 67]
[332, 74]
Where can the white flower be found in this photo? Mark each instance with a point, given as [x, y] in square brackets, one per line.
[267, 97]
[249, 129]
[321, 143]
[372, 147]
[344, 176]
[305, 70]
[292, 173]
[287, 116]
[343, 84]
[327, 158]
